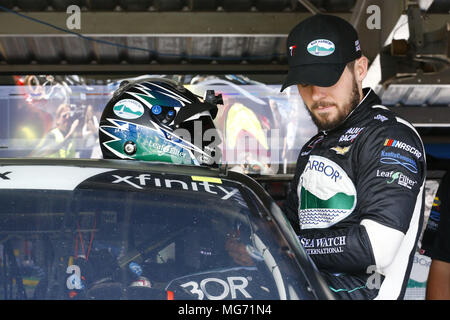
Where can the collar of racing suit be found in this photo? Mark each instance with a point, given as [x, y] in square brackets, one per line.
[370, 98]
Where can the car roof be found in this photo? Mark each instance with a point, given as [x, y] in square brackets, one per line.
[273, 214]
[111, 164]
[133, 165]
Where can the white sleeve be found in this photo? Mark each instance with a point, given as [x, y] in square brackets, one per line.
[385, 242]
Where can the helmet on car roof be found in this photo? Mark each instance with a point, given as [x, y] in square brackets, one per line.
[156, 119]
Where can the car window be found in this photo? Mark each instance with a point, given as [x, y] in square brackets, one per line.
[99, 241]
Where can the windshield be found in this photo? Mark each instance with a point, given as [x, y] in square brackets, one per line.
[125, 235]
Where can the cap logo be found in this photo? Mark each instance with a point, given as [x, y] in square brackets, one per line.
[320, 47]
[291, 50]
[357, 46]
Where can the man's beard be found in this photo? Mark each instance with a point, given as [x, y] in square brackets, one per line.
[328, 124]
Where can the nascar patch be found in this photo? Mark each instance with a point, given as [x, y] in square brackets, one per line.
[403, 146]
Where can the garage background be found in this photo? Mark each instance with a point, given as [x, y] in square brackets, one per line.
[242, 43]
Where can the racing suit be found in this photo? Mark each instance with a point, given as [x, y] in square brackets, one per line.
[357, 200]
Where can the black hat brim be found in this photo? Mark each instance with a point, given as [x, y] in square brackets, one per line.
[321, 75]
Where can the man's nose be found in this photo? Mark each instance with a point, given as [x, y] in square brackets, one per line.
[318, 93]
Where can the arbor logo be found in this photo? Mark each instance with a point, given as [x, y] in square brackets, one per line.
[327, 194]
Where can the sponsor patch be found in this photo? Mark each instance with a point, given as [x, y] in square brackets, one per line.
[350, 135]
[397, 177]
[381, 118]
[341, 150]
[327, 195]
[128, 109]
[323, 245]
[401, 145]
[321, 47]
[398, 159]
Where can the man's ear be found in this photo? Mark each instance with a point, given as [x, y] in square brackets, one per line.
[361, 68]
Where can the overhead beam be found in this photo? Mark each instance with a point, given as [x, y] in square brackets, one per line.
[212, 68]
[309, 6]
[157, 23]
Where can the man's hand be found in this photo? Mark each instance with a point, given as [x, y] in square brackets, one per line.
[238, 251]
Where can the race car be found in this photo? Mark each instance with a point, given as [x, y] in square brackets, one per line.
[125, 229]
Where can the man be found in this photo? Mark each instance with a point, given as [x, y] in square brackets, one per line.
[437, 239]
[357, 197]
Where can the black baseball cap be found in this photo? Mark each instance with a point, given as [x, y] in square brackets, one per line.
[318, 49]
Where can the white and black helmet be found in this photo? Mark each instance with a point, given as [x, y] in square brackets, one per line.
[157, 119]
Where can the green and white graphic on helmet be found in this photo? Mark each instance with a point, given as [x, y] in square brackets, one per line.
[153, 94]
[156, 119]
[327, 195]
[150, 144]
[128, 109]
